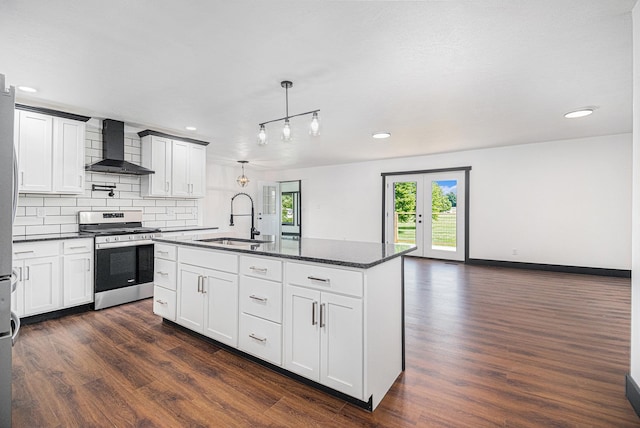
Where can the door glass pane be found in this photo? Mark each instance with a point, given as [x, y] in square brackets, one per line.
[444, 196]
[269, 200]
[404, 215]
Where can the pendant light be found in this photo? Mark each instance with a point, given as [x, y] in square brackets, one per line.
[314, 127]
[243, 180]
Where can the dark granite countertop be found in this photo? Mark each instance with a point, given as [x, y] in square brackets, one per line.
[186, 228]
[361, 255]
[50, 237]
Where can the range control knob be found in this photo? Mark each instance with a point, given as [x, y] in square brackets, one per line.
[107, 239]
[117, 238]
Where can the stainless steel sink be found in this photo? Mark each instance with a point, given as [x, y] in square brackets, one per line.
[235, 242]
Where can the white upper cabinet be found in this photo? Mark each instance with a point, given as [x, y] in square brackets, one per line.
[180, 167]
[68, 156]
[50, 153]
[156, 155]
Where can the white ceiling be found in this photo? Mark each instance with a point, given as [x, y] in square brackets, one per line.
[441, 76]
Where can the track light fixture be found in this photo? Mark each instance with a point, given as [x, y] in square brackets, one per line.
[314, 127]
[243, 180]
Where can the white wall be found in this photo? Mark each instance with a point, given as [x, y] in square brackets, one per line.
[561, 202]
[635, 284]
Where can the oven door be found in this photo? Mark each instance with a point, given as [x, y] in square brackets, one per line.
[120, 267]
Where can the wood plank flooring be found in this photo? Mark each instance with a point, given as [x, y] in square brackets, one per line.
[486, 347]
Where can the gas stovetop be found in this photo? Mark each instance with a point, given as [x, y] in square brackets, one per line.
[119, 231]
[107, 223]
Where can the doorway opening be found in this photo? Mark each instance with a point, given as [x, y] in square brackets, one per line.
[280, 209]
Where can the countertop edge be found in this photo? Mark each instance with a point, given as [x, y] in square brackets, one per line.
[287, 256]
[20, 239]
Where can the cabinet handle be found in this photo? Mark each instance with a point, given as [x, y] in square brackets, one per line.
[199, 283]
[258, 269]
[22, 178]
[80, 180]
[20, 278]
[162, 302]
[314, 308]
[162, 252]
[78, 247]
[88, 265]
[24, 252]
[322, 320]
[204, 278]
[315, 278]
[162, 273]
[258, 338]
[26, 273]
[260, 299]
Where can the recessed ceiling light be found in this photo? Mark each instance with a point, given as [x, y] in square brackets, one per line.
[27, 89]
[579, 113]
[190, 128]
[382, 134]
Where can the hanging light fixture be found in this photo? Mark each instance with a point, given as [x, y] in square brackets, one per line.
[314, 127]
[243, 180]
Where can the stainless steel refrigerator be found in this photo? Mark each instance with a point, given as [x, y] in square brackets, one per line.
[9, 323]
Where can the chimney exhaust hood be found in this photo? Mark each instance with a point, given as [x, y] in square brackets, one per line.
[113, 152]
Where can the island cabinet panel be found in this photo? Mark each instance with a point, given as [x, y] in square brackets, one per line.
[323, 338]
[207, 299]
[261, 298]
[261, 338]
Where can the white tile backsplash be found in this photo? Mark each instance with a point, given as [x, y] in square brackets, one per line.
[61, 212]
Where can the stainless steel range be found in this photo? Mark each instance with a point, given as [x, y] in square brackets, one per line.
[123, 256]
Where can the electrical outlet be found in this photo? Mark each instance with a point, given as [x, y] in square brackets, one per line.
[40, 212]
[514, 252]
[171, 211]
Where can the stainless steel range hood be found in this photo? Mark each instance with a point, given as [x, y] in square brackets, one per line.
[113, 152]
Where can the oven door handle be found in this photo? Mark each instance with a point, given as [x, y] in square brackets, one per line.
[105, 245]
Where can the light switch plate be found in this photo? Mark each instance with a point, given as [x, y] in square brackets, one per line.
[40, 212]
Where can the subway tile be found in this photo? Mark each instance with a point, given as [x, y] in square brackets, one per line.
[27, 221]
[60, 202]
[19, 230]
[72, 210]
[30, 201]
[154, 224]
[48, 211]
[186, 203]
[165, 203]
[146, 203]
[154, 210]
[172, 223]
[165, 217]
[148, 217]
[66, 219]
[37, 230]
[68, 228]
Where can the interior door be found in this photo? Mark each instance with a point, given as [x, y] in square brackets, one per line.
[268, 204]
[427, 210]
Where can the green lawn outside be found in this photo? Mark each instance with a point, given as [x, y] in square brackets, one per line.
[443, 233]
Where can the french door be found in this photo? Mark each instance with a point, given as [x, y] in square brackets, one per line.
[427, 210]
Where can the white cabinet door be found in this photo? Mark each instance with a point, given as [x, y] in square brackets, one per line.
[34, 141]
[302, 332]
[156, 155]
[190, 307]
[77, 279]
[221, 291]
[341, 360]
[197, 163]
[41, 278]
[180, 183]
[68, 155]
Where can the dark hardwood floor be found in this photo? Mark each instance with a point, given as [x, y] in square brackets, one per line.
[486, 347]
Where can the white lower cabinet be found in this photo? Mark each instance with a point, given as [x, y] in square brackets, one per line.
[261, 338]
[208, 302]
[52, 275]
[324, 338]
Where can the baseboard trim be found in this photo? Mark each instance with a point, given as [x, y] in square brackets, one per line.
[632, 392]
[620, 273]
[33, 319]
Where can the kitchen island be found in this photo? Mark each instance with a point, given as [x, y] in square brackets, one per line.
[328, 313]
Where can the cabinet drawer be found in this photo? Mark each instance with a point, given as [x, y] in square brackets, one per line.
[261, 338]
[165, 251]
[29, 250]
[325, 278]
[164, 303]
[226, 262]
[77, 246]
[164, 274]
[261, 268]
[261, 298]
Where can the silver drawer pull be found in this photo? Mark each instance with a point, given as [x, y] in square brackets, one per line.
[260, 299]
[162, 273]
[258, 338]
[162, 252]
[315, 278]
[162, 302]
[24, 252]
[78, 247]
[258, 269]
